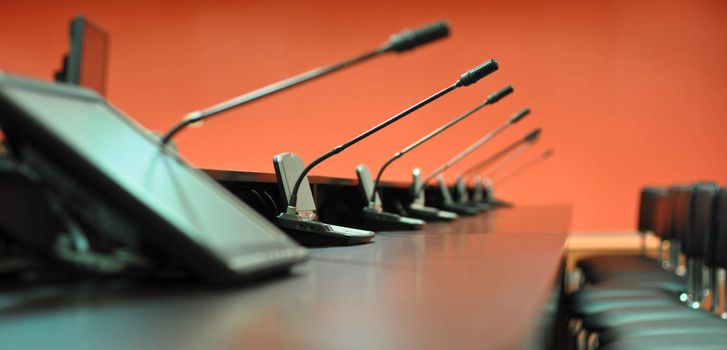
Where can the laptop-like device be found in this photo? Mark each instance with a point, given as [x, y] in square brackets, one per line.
[113, 178]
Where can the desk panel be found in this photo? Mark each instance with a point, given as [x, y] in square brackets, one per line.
[480, 282]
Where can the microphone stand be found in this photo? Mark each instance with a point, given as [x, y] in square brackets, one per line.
[417, 206]
[374, 215]
[302, 226]
[487, 182]
[401, 42]
[482, 186]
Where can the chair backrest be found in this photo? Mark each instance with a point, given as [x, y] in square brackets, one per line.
[647, 207]
[696, 241]
[720, 230]
[663, 213]
[681, 214]
[712, 233]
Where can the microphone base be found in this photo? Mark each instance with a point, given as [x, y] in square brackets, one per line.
[494, 204]
[461, 209]
[481, 206]
[316, 233]
[383, 221]
[431, 214]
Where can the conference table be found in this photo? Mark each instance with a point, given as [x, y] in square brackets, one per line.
[488, 281]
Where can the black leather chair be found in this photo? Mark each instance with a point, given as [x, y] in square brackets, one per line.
[593, 267]
[635, 281]
[710, 236]
[671, 342]
[627, 325]
[640, 281]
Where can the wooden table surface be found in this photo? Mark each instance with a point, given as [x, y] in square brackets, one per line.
[479, 282]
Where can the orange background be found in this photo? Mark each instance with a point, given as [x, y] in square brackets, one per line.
[628, 92]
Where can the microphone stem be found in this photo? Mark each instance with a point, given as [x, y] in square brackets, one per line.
[493, 158]
[294, 193]
[461, 155]
[200, 115]
[522, 168]
[509, 159]
[420, 141]
[381, 171]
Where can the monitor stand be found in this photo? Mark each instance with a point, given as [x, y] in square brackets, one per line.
[35, 216]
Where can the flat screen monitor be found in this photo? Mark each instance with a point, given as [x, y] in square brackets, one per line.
[177, 209]
[87, 61]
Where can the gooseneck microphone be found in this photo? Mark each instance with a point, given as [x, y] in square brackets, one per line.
[529, 138]
[493, 98]
[504, 162]
[401, 42]
[525, 166]
[484, 192]
[468, 78]
[460, 185]
[514, 119]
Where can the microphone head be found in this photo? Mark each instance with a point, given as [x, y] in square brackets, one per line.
[498, 95]
[409, 39]
[533, 135]
[520, 115]
[475, 74]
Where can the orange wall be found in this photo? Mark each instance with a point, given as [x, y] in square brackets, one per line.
[628, 92]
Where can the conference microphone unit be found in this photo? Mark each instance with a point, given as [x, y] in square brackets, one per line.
[418, 207]
[489, 193]
[374, 215]
[482, 191]
[300, 222]
[401, 42]
[527, 165]
[461, 188]
[503, 163]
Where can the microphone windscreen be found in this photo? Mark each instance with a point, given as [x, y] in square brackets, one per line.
[498, 95]
[520, 115]
[475, 74]
[410, 39]
[533, 135]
